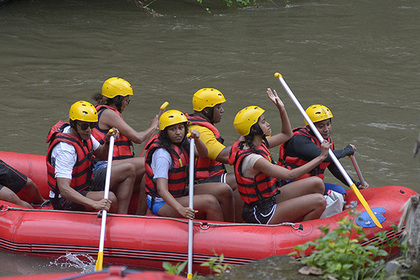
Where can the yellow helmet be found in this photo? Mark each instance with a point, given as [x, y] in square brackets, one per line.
[83, 111]
[246, 118]
[171, 117]
[207, 97]
[318, 113]
[116, 86]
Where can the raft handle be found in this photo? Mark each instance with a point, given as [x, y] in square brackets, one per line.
[4, 208]
[204, 226]
[297, 226]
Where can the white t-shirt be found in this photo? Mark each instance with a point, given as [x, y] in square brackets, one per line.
[64, 157]
[161, 163]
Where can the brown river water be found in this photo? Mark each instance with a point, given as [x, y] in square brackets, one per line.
[356, 57]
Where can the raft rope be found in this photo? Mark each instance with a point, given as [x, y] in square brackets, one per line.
[202, 225]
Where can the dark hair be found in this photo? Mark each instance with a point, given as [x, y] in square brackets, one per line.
[254, 130]
[101, 100]
[167, 143]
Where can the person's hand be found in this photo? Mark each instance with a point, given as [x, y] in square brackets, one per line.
[187, 212]
[194, 134]
[361, 187]
[112, 132]
[103, 204]
[325, 147]
[353, 146]
[272, 94]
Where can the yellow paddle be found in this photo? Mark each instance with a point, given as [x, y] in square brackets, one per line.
[100, 258]
[162, 108]
[333, 157]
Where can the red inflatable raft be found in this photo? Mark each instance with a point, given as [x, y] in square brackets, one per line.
[113, 273]
[147, 241]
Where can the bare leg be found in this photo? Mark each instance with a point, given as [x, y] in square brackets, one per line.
[122, 182]
[30, 192]
[239, 203]
[224, 195]
[8, 195]
[303, 208]
[142, 205]
[311, 185]
[139, 184]
[204, 203]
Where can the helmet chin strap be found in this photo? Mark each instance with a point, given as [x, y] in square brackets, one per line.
[73, 125]
[256, 130]
[209, 114]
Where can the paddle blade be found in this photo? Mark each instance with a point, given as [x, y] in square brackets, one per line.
[99, 261]
[364, 203]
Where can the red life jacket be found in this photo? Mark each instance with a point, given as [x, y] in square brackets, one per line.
[178, 173]
[261, 186]
[123, 148]
[294, 162]
[205, 167]
[82, 170]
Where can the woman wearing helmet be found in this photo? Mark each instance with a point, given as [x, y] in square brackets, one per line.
[69, 164]
[266, 199]
[112, 102]
[304, 146]
[166, 178]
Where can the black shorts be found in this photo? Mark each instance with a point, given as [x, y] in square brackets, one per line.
[214, 179]
[98, 184]
[260, 212]
[12, 178]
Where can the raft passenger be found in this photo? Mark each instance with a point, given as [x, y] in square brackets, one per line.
[208, 111]
[167, 161]
[74, 185]
[267, 200]
[112, 102]
[14, 182]
[305, 146]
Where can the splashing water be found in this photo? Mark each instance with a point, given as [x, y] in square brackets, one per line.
[80, 261]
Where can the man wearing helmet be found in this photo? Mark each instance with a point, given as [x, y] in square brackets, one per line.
[74, 186]
[304, 146]
[208, 110]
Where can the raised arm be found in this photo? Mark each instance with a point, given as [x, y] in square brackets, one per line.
[286, 128]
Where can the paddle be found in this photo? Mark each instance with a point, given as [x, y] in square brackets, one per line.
[358, 171]
[191, 205]
[162, 108]
[333, 157]
[100, 259]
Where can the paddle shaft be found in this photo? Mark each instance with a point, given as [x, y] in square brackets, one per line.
[191, 205]
[330, 152]
[99, 261]
[161, 109]
[358, 171]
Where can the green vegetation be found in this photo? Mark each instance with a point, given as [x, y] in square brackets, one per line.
[215, 265]
[340, 255]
